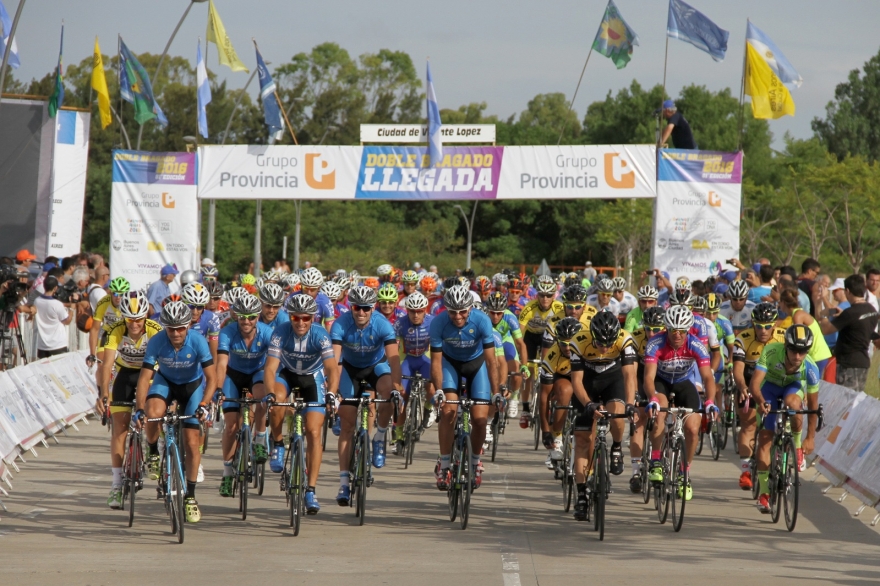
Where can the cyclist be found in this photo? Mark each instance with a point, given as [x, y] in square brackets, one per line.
[311, 281]
[533, 321]
[217, 305]
[603, 370]
[291, 283]
[784, 374]
[738, 309]
[669, 362]
[333, 291]
[241, 354]
[652, 325]
[384, 272]
[624, 298]
[413, 335]
[249, 282]
[208, 275]
[556, 378]
[462, 347]
[365, 346]
[747, 350]
[107, 314]
[196, 296]
[507, 325]
[647, 297]
[515, 298]
[125, 347]
[410, 280]
[483, 287]
[723, 328]
[178, 367]
[304, 352]
[428, 287]
[157, 317]
[387, 304]
[271, 299]
[438, 306]
[603, 299]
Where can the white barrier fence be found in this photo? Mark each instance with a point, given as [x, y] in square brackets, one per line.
[76, 340]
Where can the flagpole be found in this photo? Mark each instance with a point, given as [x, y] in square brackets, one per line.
[8, 49]
[123, 133]
[742, 90]
[571, 105]
[286, 121]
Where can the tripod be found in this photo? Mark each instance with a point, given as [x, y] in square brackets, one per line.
[9, 339]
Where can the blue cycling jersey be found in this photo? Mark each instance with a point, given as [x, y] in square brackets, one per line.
[301, 354]
[208, 325]
[326, 311]
[363, 347]
[178, 366]
[241, 357]
[416, 339]
[280, 319]
[465, 343]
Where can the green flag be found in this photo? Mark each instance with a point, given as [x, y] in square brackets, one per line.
[57, 97]
[615, 39]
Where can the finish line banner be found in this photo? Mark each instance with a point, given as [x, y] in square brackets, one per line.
[697, 213]
[405, 173]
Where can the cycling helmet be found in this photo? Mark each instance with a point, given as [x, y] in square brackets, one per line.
[483, 284]
[605, 328]
[354, 277]
[605, 286]
[170, 299]
[546, 285]
[497, 301]
[681, 297]
[372, 283]
[699, 304]
[574, 294]
[713, 303]
[410, 277]
[291, 281]
[311, 278]
[176, 314]
[568, 327]
[384, 270]
[188, 276]
[798, 337]
[247, 305]
[248, 280]
[499, 279]
[653, 317]
[396, 276]
[469, 274]
[301, 304]
[332, 290]
[619, 283]
[682, 283]
[514, 284]
[428, 284]
[464, 282]
[388, 292]
[738, 290]
[120, 285]
[210, 272]
[450, 282]
[134, 305]
[458, 298]
[215, 289]
[340, 273]
[343, 282]
[234, 294]
[526, 281]
[271, 276]
[259, 284]
[678, 317]
[648, 292]
[764, 313]
[415, 301]
[272, 294]
[362, 296]
[195, 294]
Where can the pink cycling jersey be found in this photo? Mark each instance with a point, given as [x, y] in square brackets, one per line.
[676, 365]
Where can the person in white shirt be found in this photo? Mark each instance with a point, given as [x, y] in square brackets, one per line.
[96, 290]
[51, 321]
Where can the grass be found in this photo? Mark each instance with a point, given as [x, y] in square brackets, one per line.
[872, 386]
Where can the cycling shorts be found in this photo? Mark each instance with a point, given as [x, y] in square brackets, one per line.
[533, 344]
[312, 387]
[774, 394]
[349, 382]
[605, 387]
[581, 421]
[188, 395]
[510, 351]
[549, 379]
[415, 364]
[235, 385]
[124, 388]
[685, 391]
[640, 383]
[475, 374]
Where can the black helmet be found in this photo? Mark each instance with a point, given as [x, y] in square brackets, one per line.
[568, 328]
[764, 313]
[700, 305]
[799, 337]
[653, 316]
[574, 294]
[496, 302]
[605, 328]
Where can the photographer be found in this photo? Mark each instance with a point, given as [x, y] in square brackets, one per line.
[51, 321]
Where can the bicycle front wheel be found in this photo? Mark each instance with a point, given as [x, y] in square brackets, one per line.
[715, 439]
[645, 466]
[363, 467]
[466, 480]
[178, 491]
[454, 485]
[600, 486]
[297, 487]
[790, 485]
[680, 480]
[663, 490]
[496, 433]
[245, 462]
[777, 466]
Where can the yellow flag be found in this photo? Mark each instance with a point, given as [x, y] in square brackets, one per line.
[99, 84]
[217, 34]
[770, 97]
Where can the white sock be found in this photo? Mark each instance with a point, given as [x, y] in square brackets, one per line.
[380, 434]
[634, 462]
[475, 459]
[444, 461]
[260, 437]
[228, 470]
[117, 476]
[744, 465]
[344, 479]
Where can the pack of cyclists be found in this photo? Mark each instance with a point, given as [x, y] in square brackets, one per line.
[582, 347]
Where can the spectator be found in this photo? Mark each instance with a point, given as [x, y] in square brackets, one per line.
[432, 269]
[698, 288]
[764, 287]
[161, 288]
[809, 271]
[97, 261]
[677, 128]
[791, 274]
[589, 272]
[838, 300]
[23, 260]
[51, 321]
[96, 291]
[856, 327]
[38, 282]
[872, 284]
[208, 263]
[68, 264]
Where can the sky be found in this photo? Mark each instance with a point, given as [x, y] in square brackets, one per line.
[502, 52]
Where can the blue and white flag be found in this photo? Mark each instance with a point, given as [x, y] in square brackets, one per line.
[5, 29]
[203, 91]
[435, 143]
[783, 69]
[271, 110]
[688, 24]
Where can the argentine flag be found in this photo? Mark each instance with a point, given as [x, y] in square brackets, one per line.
[435, 143]
[203, 91]
[773, 56]
[5, 29]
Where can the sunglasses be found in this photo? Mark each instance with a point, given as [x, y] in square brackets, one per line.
[199, 307]
[387, 302]
[416, 311]
[247, 317]
[546, 295]
[565, 343]
[764, 326]
[654, 329]
[301, 318]
[135, 321]
[457, 311]
[496, 313]
[574, 306]
[362, 308]
[118, 294]
[680, 332]
[515, 291]
[177, 329]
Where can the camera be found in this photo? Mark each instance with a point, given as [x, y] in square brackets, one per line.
[16, 290]
[67, 293]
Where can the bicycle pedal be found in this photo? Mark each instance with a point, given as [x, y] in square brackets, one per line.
[370, 480]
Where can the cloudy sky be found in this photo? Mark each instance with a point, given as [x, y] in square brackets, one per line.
[502, 52]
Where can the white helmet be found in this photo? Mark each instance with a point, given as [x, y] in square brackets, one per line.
[738, 290]
[678, 317]
[247, 305]
[234, 294]
[619, 283]
[605, 286]
[176, 314]
[290, 281]
[545, 284]
[188, 276]
[134, 305]
[457, 298]
[272, 294]
[332, 290]
[648, 292]
[195, 294]
[384, 270]
[415, 301]
[362, 296]
[312, 278]
[301, 304]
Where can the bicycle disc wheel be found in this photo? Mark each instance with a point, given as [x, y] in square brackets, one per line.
[790, 485]
[455, 485]
[599, 494]
[715, 439]
[774, 481]
[467, 481]
[178, 490]
[296, 486]
[679, 485]
[364, 472]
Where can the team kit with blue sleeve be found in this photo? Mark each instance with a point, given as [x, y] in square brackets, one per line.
[416, 341]
[462, 352]
[280, 319]
[302, 361]
[245, 367]
[180, 373]
[363, 350]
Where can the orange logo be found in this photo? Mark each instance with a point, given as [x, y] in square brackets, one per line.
[167, 200]
[616, 174]
[714, 199]
[320, 173]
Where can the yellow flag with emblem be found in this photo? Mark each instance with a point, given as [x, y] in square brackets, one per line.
[99, 84]
[770, 97]
[217, 35]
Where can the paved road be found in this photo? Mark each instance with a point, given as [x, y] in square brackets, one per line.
[58, 530]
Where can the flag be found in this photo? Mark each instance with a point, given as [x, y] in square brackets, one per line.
[5, 30]
[217, 34]
[136, 89]
[770, 97]
[99, 84]
[56, 100]
[435, 143]
[773, 56]
[203, 91]
[271, 109]
[615, 39]
[688, 24]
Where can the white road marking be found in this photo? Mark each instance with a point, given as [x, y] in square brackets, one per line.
[69, 492]
[34, 512]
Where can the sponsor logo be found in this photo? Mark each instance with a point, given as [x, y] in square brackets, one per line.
[714, 199]
[167, 200]
[662, 244]
[155, 246]
[700, 245]
[320, 172]
[616, 174]
[117, 245]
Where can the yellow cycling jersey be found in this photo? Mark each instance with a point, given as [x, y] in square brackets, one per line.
[550, 331]
[747, 348]
[130, 353]
[555, 362]
[587, 356]
[640, 339]
[107, 313]
[535, 320]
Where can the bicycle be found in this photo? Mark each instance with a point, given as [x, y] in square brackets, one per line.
[565, 465]
[244, 461]
[499, 423]
[534, 408]
[412, 424]
[783, 478]
[598, 479]
[172, 481]
[294, 480]
[728, 420]
[133, 464]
